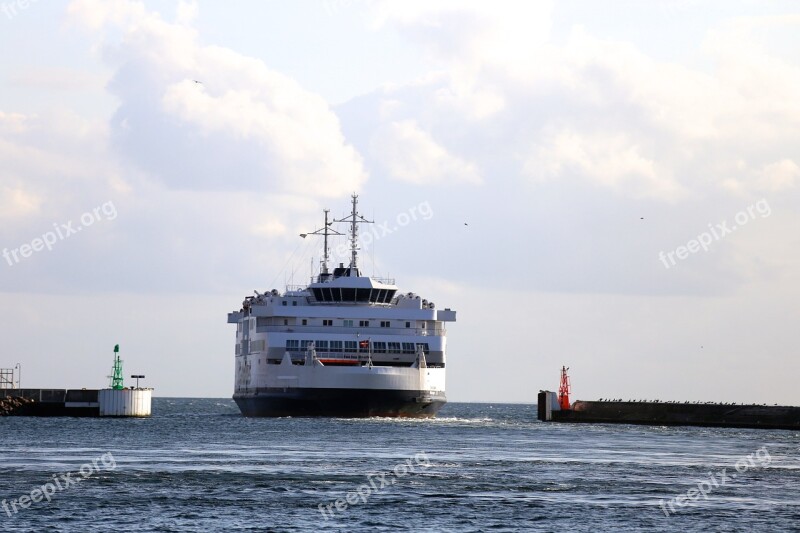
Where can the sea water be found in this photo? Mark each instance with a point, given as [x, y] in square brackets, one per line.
[198, 465]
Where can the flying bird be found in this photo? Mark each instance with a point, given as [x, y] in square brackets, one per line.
[197, 81]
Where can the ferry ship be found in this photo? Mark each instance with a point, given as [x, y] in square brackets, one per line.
[345, 345]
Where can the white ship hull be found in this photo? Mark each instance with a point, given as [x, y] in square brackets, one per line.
[358, 391]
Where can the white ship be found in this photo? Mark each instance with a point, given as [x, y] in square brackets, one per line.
[346, 345]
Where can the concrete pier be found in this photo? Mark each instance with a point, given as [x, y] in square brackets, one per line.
[670, 413]
[75, 402]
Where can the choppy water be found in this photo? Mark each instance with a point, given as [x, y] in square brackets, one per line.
[197, 465]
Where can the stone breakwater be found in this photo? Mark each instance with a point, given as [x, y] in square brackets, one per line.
[11, 406]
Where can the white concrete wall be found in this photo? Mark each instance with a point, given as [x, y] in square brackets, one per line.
[125, 402]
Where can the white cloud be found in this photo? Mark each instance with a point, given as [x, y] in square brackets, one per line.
[17, 202]
[608, 160]
[244, 126]
[600, 108]
[779, 176]
[412, 155]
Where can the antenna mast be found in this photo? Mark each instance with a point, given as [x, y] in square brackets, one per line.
[325, 231]
[354, 219]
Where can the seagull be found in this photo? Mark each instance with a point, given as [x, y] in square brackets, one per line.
[304, 235]
[200, 82]
[466, 224]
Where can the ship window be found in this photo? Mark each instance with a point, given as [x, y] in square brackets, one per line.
[408, 324]
[293, 345]
[385, 323]
[304, 345]
[294, 302]
[362, 295]
[321, 346]
[348, 295]
[285, 321]
[425, 349]
[379, 347]
[305, 322]
[326, 322]
[348, 323]
[283, 302]
[336, 346]
[408, 347]
[363, 323]
[350, 346]
[394, 347]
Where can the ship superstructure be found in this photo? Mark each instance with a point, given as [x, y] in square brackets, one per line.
[345, 345]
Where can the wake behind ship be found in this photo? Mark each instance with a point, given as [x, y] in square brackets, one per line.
[346, 345]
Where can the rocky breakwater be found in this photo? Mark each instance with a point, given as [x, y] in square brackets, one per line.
[12, 406]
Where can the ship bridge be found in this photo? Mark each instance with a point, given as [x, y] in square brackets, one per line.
[347, 285]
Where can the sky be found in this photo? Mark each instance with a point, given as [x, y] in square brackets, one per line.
[610, 186]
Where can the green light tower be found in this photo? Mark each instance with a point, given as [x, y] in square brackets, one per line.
[116, 378]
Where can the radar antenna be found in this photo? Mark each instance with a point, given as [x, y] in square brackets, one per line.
[354, 219]
[325, 231]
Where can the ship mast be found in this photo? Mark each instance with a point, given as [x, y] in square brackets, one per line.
[325, 231]
[354, 219]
